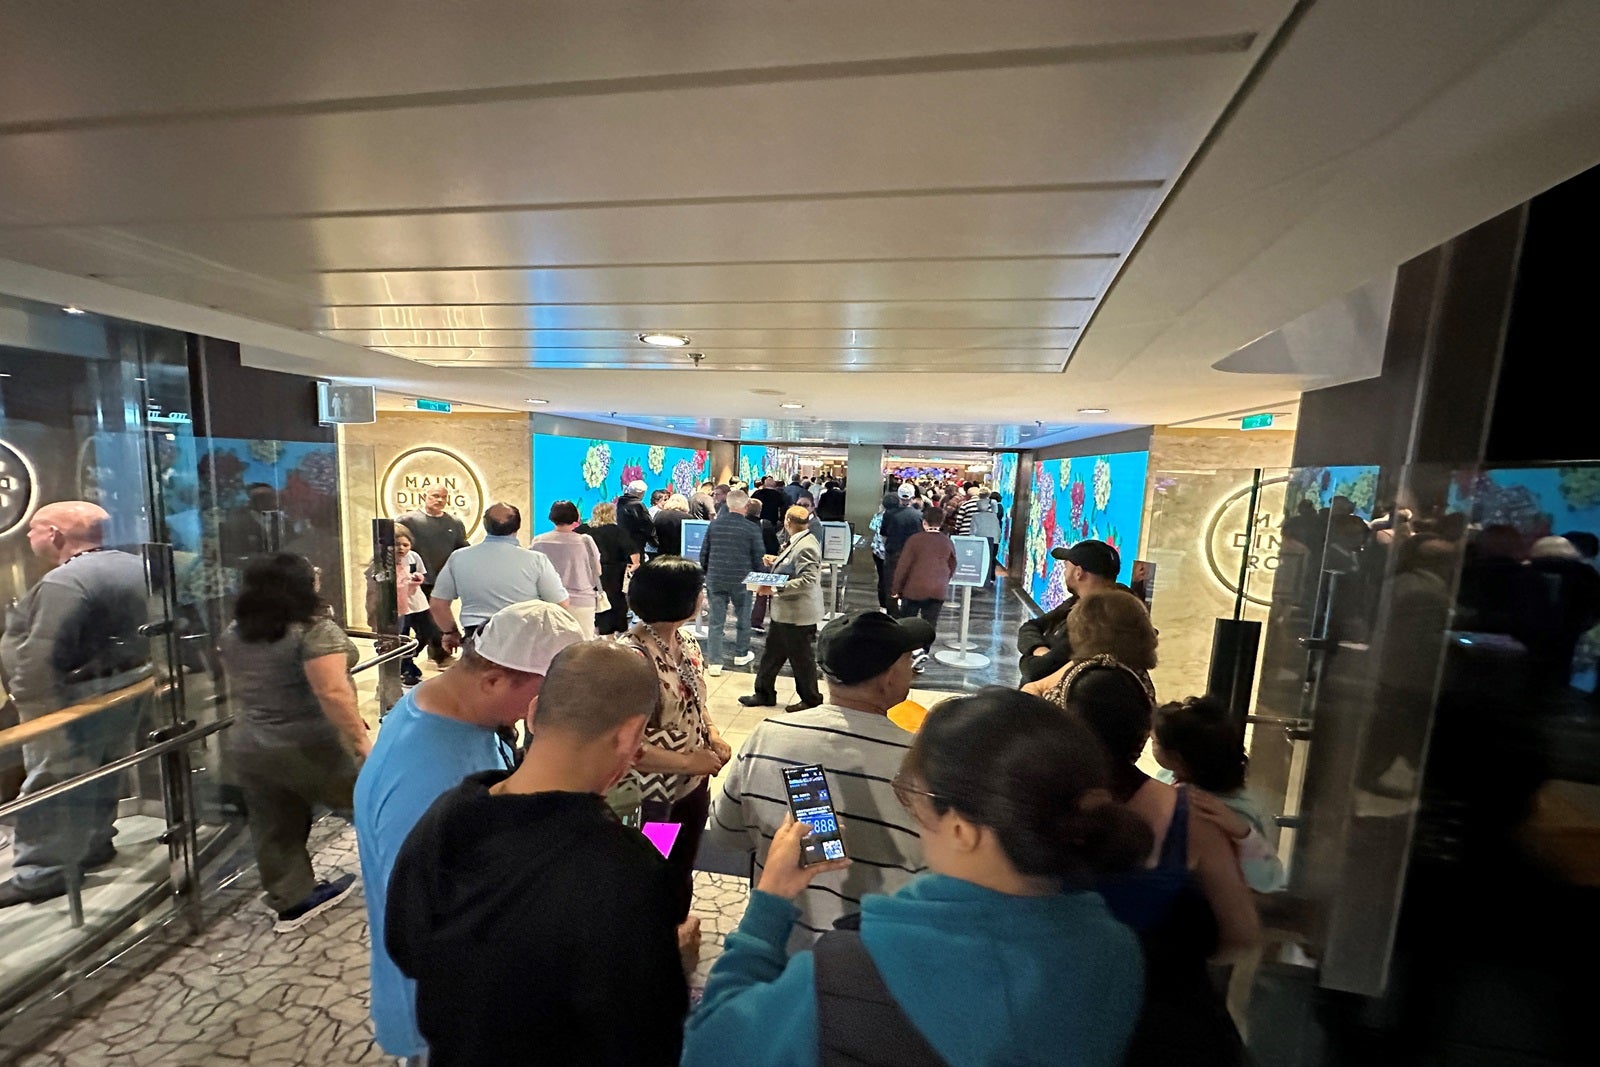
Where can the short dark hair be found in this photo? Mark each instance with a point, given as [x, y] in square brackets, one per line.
[1587, 544]
[666, 589]
[275, 591]
[1012, 762]
[593, 687]
[1202, 732]
[1114, 706]
[933, 516]
[499, 528]
[563, 512]
[659, 495]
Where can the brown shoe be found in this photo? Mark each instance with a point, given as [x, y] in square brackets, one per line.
[803, 705]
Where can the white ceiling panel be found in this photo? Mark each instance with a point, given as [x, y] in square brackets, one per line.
[87, 58]
[1089, 122]
[763, 282]
[639, 357]
[512, 188]
[920, 225]
[711, 340]
[837, 315]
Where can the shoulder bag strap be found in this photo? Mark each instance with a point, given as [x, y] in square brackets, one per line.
[859, 1024]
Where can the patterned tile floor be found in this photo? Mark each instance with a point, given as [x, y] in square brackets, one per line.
[242, 994]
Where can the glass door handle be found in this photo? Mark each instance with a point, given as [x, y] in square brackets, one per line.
[1318, 644]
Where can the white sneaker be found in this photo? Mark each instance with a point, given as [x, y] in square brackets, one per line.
[714, 671]
[919, 662]
[1400, 778]
[740, 661]
[1376, 806]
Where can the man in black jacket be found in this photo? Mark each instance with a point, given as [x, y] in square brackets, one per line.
[1042, 642]
[634, 517]
[540, 929]
[902, 520]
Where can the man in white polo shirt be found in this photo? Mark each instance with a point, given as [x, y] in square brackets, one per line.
[490, 575]
[866, 659]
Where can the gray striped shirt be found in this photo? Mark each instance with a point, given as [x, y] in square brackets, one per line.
[860, 752]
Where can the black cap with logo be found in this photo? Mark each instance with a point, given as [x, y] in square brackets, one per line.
[856, 648]
[1096, 557]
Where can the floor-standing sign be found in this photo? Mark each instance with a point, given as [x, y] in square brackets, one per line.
[694, 537]
[972, 570]
[835, 555]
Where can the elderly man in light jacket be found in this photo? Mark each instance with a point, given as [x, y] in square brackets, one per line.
[796, 614]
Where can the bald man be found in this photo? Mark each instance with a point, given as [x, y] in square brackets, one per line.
[73, 636]
[492, 574]
[529, 916]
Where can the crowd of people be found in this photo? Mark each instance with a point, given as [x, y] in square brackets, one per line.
[1011, 838]
[1047, 872]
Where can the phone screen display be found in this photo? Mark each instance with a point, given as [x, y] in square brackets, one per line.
[812, 803]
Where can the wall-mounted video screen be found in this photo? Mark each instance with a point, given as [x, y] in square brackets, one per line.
[1079, 499]
[589, 471]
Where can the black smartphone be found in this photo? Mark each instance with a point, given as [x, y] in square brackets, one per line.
[812, 803]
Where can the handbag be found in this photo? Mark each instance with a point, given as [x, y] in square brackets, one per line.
[602, 603]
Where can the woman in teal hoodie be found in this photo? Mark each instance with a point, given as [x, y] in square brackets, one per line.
[1000, 956]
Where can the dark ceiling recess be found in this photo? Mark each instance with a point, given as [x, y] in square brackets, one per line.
[1541, 413]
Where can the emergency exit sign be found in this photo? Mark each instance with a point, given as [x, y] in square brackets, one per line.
[444, 406]
[1249, 422]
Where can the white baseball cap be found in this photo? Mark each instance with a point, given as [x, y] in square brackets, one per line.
[907, 490]
[637, 488]
[527, 636]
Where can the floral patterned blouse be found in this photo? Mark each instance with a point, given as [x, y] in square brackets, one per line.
[681, 723]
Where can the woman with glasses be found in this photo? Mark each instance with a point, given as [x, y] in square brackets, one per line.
[1000, 955]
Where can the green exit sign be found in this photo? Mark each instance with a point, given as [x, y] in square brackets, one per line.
[1249, 422]
[444, 406]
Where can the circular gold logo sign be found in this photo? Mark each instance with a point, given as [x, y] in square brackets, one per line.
[1229, 545]
[413, 473]
[16, 489]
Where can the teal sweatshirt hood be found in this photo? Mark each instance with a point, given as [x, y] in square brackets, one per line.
[988, 979]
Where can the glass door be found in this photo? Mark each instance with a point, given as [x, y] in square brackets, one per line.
[97, 839]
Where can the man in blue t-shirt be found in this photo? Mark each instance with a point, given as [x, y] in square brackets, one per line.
[440, 732]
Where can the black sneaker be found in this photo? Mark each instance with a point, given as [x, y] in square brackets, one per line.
[323, 897]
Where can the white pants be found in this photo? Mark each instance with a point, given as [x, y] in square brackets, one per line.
[585, 616]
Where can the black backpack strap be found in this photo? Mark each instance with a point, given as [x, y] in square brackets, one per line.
[859, 1024]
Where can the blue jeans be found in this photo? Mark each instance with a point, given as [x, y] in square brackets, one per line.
[717, 601]
[74, 829]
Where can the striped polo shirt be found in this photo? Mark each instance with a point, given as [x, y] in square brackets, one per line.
[860, 753]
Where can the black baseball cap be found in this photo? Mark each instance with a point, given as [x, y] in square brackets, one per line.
[1096, 557]
[855, 648]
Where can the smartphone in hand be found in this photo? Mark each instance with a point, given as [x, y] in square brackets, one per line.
[811, 801]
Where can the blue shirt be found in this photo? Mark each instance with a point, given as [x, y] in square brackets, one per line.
[495, 573]
[417, 757]
[986, 978]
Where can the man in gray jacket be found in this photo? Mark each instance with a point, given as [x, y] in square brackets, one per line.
[73, 637]
[796, 614]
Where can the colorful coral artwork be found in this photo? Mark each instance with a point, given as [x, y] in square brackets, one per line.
[758, 461]
[1077, 499]
[589, 471]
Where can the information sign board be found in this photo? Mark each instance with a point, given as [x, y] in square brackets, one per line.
[972, 561]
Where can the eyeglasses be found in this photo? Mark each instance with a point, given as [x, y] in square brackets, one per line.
[905, 790]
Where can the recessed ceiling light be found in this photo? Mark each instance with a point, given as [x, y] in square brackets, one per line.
[72, 309]
[1093, 411]
[791, 405]
[535, 400]
[665, 340]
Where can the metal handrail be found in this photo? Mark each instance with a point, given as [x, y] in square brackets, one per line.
[407, 647]
[188, 737]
